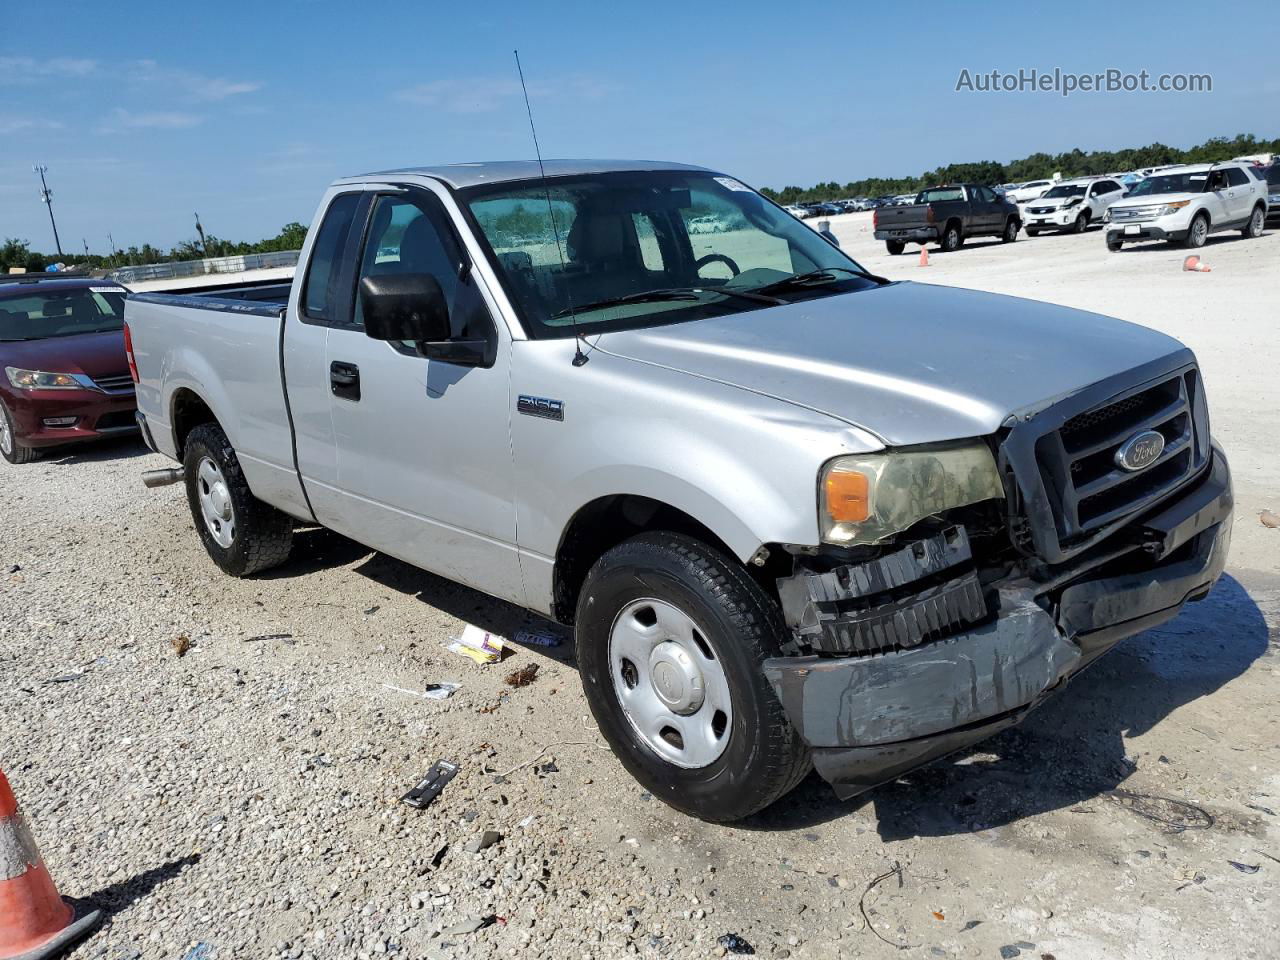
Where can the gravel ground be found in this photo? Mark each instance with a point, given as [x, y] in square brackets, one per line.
[241, 800]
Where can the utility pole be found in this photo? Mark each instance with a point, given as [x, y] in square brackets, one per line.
[204, 244]
[111, 243]
[47, 196]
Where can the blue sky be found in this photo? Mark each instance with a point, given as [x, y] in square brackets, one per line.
[147, 112]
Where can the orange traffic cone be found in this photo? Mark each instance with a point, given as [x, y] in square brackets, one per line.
[35, 922]
[1193, 264]
[924, 256]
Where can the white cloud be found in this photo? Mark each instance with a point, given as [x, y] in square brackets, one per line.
[485, 94]
[31, 70]
[11, 124]
[195, 86]
[152, 120]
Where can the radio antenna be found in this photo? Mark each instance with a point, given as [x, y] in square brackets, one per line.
[579, 358]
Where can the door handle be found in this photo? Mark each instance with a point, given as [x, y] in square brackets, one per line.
[344, 380]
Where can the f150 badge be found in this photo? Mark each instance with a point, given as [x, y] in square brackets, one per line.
[1140, 451]
[543, 407]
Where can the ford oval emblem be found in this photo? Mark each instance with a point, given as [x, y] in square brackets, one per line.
[1140, 451]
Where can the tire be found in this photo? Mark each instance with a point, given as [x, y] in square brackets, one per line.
[1257, 221]
[1033, 231]
[1198, 232]
[761, 757]
[1011, 228]
[952, 238]
[895, 247]
[10, 448]
[1082, 222]
[1114, 246]
[254, 536]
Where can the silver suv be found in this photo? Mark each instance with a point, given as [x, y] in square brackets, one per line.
[1185, 204]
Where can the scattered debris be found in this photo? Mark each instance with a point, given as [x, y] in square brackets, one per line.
[969, 925]
[894, 871]
[1011, 950]
[1261, 809]
[181, 644]
[201, 951]
[1175, 815]
[269, 636]
[548, 767]
[438, 857]
[470, 925]
[14, 568]
[65, 678]
[480, 645]
[429, 787]
[527, 822]
[939, 915]
[733, 943]
[538, 638]
[522, 677]
[483, 842]
[1268, 519]
[432, 691]
[372, 610]
[1267, 855]
[1245, 867]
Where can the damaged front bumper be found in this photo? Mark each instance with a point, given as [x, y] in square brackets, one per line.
[872, 716]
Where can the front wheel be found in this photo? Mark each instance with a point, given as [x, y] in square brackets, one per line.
[1082, 222]
[1033, 231]
[670, 638]
[242, 534]
[10, 448]
[894, 247]
[1198, 233]
[1114, 245]
[1257, 221]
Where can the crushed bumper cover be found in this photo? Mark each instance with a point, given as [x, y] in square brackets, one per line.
[869, 719]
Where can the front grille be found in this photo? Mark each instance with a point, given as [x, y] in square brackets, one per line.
[116, 383]
[1087, 489]
[1121, 214]
[1040, 210]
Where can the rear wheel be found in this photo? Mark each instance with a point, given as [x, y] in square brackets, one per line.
[1010, 230]
[670, 636]
[1257, 220]
[895, 247]
[242, 534]
[1198, 232]
[952, 239]
[10, 448]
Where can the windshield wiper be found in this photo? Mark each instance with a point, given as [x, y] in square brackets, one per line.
[815, 278]
[667, 294]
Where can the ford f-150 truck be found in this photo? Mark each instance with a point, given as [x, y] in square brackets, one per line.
[797, 515]
[947, 216]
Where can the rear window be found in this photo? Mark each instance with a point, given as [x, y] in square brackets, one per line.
[62, 313]
[1273, 175]
[939, 195]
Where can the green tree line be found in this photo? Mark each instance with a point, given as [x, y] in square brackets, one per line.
[1037, 166]
[18, 253]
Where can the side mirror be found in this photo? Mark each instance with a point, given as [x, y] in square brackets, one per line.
[404, 306]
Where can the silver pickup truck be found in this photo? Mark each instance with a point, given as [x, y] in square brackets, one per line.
[797, 515]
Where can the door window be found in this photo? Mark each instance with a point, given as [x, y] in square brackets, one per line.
[1237, 177]
[410, 233]
[320, 294]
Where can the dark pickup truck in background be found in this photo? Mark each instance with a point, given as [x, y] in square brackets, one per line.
[948, 215]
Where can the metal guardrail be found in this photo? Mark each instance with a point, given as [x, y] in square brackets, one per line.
[197, 268]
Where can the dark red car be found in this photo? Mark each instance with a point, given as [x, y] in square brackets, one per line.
[64, 376]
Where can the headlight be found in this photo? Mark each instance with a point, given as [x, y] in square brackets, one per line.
[1173, 207]
[1073, 201]
[39, 380]
[870, 497]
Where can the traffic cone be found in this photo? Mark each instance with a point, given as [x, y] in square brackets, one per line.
[1193, 264]
[35, 923]
[924, 256]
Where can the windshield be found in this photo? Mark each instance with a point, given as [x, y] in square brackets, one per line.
[629, 241]
[1171, 183]
[62, 313]
[1064, 190]
[1273, 175]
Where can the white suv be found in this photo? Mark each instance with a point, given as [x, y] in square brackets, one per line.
[1028, 191]
[1071, 205]
[1185, 205]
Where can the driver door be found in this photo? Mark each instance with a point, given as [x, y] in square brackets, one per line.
[423, 451]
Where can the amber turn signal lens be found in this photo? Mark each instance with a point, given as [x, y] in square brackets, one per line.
[848, 496]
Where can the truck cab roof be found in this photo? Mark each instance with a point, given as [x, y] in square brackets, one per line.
[460, 175]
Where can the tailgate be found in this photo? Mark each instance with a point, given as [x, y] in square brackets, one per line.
[899, 218]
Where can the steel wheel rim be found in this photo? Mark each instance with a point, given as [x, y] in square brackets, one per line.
[670, 683]
[6, 434]
[215, 503]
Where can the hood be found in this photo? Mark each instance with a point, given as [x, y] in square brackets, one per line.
[94, 354]
[1154, 199]
[1055, 202]
[909, 362]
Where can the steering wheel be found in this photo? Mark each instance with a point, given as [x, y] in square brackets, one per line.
[716, 258]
